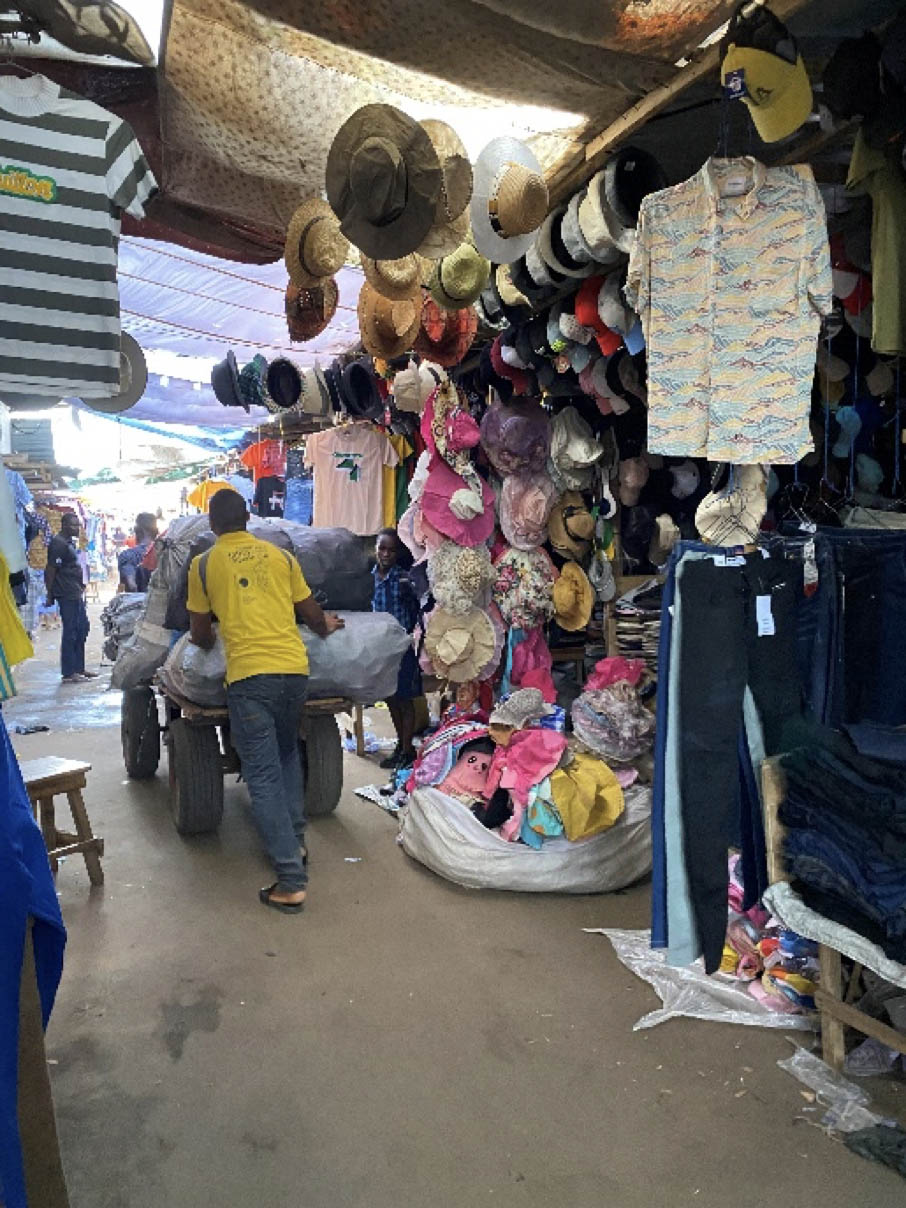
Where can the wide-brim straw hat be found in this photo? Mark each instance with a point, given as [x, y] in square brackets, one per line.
[574, 598]
[383, 181]
[395, 279]
[309, 309]
[388, 328]
[451, 218]
[459, 645]
[458, 279]
[509, 200]
[571, 526]
[315, 248]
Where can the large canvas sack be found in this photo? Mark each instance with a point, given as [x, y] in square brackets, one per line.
[443, 834]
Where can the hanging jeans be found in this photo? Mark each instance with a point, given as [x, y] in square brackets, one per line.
[738, 630]
[75, 631]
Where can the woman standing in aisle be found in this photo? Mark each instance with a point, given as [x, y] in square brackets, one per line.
[394, 593]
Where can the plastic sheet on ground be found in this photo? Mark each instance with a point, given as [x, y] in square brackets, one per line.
[445, 835]
[689, 992]
[846, 1103]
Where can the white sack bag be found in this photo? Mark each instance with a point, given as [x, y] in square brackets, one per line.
[443, 834]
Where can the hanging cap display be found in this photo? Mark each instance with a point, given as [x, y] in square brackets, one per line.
[762, 67]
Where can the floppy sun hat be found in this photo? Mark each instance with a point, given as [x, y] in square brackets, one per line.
[509, 200]
[388, 328]
[383, 181]
[315, 248]
[460, 645]
[451, 217]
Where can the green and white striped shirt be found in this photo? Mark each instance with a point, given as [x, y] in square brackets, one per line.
[68, 171]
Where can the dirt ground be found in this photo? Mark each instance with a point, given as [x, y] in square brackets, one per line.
[403, 1042]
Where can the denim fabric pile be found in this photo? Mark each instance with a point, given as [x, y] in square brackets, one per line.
[845, 842]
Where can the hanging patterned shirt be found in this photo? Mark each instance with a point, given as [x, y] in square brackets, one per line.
[730, 273]
[68, 171]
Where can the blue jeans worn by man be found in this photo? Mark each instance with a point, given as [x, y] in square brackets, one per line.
[265, 715]
[74, 616]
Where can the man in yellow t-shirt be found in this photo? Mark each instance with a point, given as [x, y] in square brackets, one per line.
[258, 594]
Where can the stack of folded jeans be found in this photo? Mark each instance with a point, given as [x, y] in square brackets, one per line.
[845, 844]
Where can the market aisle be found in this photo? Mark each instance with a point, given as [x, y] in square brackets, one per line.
[404, 1042]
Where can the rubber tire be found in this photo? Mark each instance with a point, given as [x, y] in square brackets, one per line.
[196, 777]
[322, 764]
[140, 732]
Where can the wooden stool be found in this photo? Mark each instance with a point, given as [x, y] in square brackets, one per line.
[44, 779]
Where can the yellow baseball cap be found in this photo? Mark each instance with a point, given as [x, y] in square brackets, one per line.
[777, 92]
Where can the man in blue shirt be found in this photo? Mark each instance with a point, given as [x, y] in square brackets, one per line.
[394, 593]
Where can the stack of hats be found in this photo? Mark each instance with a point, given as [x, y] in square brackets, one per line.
[285, 388]
[315, 251]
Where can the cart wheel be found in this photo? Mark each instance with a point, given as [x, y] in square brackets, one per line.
[140, 732]
[322, 764]
[196, 777]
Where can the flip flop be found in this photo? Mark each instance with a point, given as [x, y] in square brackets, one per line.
[264, 895]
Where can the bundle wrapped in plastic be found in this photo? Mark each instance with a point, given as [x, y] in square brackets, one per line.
[360, 662]
[141, 655]
[333, 561]
[197, 675]
[118, 620]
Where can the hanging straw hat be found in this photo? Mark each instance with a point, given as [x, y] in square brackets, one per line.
[315, 246]
[574, 598]
[460, 645]
[310, 309]
[394, 279]
[459, 278]
[388, 328]
[571, 526]
[509, 200]
[451, 218]
[383, 181]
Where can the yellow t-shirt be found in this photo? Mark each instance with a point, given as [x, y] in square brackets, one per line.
[251, 587]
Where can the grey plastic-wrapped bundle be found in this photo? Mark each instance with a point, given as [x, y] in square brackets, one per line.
[118, 620]
[141, 655]
[333, 562]
[360, 662]
[195, 674]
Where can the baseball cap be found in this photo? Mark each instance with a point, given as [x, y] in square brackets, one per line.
[762, 67]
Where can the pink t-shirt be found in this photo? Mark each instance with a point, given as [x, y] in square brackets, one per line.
[347, 465]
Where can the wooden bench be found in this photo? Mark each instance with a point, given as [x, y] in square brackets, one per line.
[44, 780]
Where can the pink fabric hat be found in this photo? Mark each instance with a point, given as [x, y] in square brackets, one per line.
[424, 533]
[526, 502]
[530, 656]
[455, 509]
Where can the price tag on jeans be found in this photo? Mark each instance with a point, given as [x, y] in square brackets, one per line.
[764, 617]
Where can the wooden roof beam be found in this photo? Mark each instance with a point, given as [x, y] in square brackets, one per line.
[571, 174]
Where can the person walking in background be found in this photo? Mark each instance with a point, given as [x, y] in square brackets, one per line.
[64, 580]
[394, 593]
[134, 576]
[258, 594]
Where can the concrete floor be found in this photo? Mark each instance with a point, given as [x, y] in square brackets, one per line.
[404, 1042]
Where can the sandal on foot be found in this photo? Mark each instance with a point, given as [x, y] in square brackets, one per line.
[264, 895]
